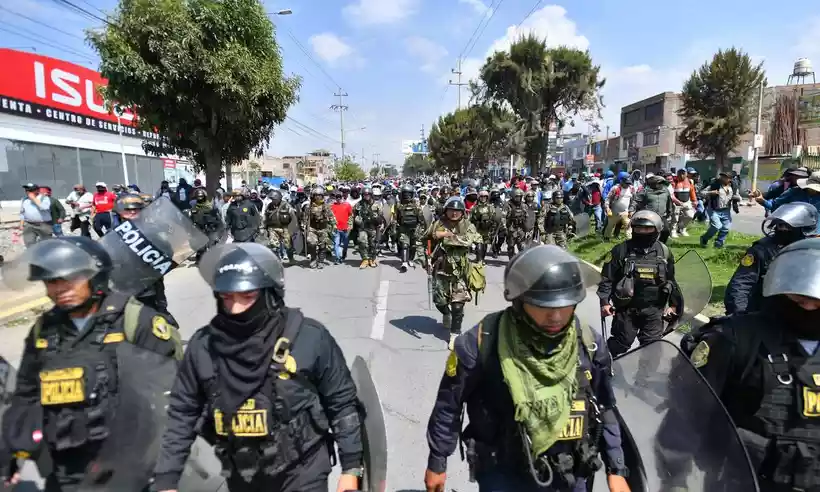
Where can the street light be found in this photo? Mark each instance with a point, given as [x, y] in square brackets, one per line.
[281, 12]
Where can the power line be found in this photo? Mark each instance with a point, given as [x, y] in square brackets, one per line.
[480, 22]
[532, 10]
[94, 7]
[307, 129]
[41, 41]
[310, 57]
[35, 21]
[470, 49]
[80, 11]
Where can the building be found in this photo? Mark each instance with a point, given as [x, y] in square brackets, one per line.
[56, 131]
[606, 152]
[649, 128]
[574, 152]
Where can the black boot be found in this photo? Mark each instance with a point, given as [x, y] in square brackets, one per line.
[457, 310]
[321, 256]
[480, 252]
[404, 254]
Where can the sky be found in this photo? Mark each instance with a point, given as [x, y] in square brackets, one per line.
[393, 58]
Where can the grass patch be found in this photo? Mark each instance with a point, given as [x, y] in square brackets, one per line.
[721, 263]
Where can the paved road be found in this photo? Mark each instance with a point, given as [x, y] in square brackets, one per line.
[748, 220]
[380, 314]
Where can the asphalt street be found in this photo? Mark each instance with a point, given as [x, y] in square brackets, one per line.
[379, 314]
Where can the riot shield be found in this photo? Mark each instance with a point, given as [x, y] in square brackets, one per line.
[8, 380]
[387, 213]
[582, 225]
[203, 471]
[147, 248]
[695, 283]
[676, 433]
[374, 431]
[428, 212]
[128, 455]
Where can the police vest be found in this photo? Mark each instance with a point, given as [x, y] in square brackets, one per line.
[369, 213]
[482, 215]
[318, 218]
[557, 218]
[407, 215]
[784, 430]
[242, 211]
[278, 217]
[205, 219]
[517, 214]
[644, 276]
[575, 454]
[78, 385]
[266, 435]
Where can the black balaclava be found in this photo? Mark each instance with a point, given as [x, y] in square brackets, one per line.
[642, 241]
[804, 324]
[243, 346]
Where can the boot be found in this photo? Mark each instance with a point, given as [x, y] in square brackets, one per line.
[480, 252]
[314, 261]
[404, 259]
[457, 309]
[673, 234]
[365, 263]
[374, 263]
[447, 321]
[684, 233]
[322, 255]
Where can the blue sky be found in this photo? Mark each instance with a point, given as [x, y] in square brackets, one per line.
[393, 57]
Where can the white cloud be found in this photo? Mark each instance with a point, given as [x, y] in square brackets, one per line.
[333, 49]
[550, 23]
[427, 52]
[379, 12]
[477, 5]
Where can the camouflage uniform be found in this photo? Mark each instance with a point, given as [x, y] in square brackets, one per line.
[483, 217]
[450, 266]
[515, 217]
[318, 220]
[554, 219]
[368, 218]
[409, 220]
[279, 218]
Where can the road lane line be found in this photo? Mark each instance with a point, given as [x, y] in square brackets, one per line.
[377, 330]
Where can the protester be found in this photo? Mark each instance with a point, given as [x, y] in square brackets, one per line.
[344, 221]
[104, 201]
[35, 215]
[81, 203]
[58, 214]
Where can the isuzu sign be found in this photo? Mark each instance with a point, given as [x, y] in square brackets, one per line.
[36, 86]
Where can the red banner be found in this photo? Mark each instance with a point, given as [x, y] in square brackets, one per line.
[45, 88]
[169, 164]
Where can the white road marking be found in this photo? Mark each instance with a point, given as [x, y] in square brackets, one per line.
[377, 331]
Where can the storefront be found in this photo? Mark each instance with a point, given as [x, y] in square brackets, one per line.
[56, 131]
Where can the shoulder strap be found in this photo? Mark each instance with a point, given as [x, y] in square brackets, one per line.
[281, 351]
[587, 337]
[131, 318]
[38, 326]
[487, 335]
[664, 251]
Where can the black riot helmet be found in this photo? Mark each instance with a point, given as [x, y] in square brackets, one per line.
[200, 195]
[544, 276]
[558, 197]
[791, 222]
[243, 267]
[276, 197]
[407, 193]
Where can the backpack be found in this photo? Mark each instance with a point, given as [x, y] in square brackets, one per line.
[476, 279]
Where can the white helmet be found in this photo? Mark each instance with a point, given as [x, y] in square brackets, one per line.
[377, 192]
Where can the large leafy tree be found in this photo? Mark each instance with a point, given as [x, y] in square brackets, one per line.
[416, 164]
[543, 87]
[717, 104]
[205, 74]
[470, 137]
[348, 170]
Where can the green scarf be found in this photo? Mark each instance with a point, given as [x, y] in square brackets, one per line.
[206, 205]
[540, 372]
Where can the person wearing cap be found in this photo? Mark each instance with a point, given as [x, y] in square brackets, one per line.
[684, 196]
[807, 190]
[720, 196]
[656, 198]
[35, 215]
[266, 385]
[764, 367]
[81, 202]
[103, 205]
[536, 383]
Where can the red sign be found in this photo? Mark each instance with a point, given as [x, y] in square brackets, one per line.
[169, 164]
[45, 88]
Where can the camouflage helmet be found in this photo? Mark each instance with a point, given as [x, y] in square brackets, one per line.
[455, 203]
[129, 202]
[517, 193]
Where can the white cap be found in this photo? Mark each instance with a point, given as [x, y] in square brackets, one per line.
[100, 183]
[649, 175]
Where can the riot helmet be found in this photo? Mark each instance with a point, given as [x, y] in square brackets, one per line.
[792, 284]
[407, 193]
[454, 208]
[646, 228]
[276, 197]
[484, 195]
[317, 194]
[495, 196]
[471, 193]
[558, 197]
[129, 206]
[200, 195]
[517, 195]
[529, 197]
[367, 194]
[243, 267]
[377, 193]
[791, 222]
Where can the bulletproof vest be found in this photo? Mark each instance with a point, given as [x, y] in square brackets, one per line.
[644, 277]
[318, 218]
[517, 214]
[408, 215]
[782, 432]
[656, 201]
[482, 215]
[497, 435]
[369, 212]
[268, 433]
[558, 217]
[242, 211]
[278, 217]
[205, 219]
[78, 377]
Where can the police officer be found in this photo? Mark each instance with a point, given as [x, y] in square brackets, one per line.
[520, 438]
[368, 219]
[242, 218]
[789, 223]
[279, 218]
[68, 373]
[555, 219]
[500, 236]
[764, 367]
[638, 281]
[409, 220]
[318, 220]
[207, 219]
[269, 417]
[655, 198]
[483, 217]
[515, 216]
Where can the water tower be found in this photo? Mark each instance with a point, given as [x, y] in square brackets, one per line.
[802, 71]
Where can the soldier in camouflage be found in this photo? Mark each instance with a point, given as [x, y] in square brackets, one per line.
[368, 218]
[449, 264]
[409, 220]
[515, 217]
[483, 217]
[318, 220]
[500, 234]
[555, 218]
[278, 217]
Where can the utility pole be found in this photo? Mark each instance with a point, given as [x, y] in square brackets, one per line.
[459, 83]
[376, 161]
[364, 159]
[757, 132]
[341, 108]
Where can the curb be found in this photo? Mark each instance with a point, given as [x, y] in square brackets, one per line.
[24, 307]
[698, 321]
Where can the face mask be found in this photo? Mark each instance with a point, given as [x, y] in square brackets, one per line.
[803, 324]
[787, 237]
[642, 241]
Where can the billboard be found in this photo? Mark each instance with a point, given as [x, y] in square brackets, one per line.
[808, 107]
[48, 89]
[414, 147]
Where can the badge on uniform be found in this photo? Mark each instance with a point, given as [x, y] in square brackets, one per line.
[244, 209]
[114, 338]
[700, 356]
[41, 343]
[290, 367]
[816, 379]
[62, 386]
[811, 402]
[452, 365]
[747, 260]
[160, 328]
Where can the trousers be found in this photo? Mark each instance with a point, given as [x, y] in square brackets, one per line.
[309, 475]
[645, 323]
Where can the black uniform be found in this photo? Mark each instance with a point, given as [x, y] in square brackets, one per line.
[208, 220]
[770, 386]
[281, 436]
[650, 276]
[494, 445]
[243, 220]
[744, 293]
[77, 410]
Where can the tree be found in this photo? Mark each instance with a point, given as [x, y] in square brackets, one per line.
[469, 137]
[717, 104]
[348, 170]
[415, 164]
[543, 87]
[205, 75]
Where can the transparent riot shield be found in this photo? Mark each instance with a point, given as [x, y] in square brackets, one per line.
[203, 471]
[695, 283]
[582, 225]
[374, 431]
[128, 455]
[8, 381]
[677, 434]
[149, 247]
